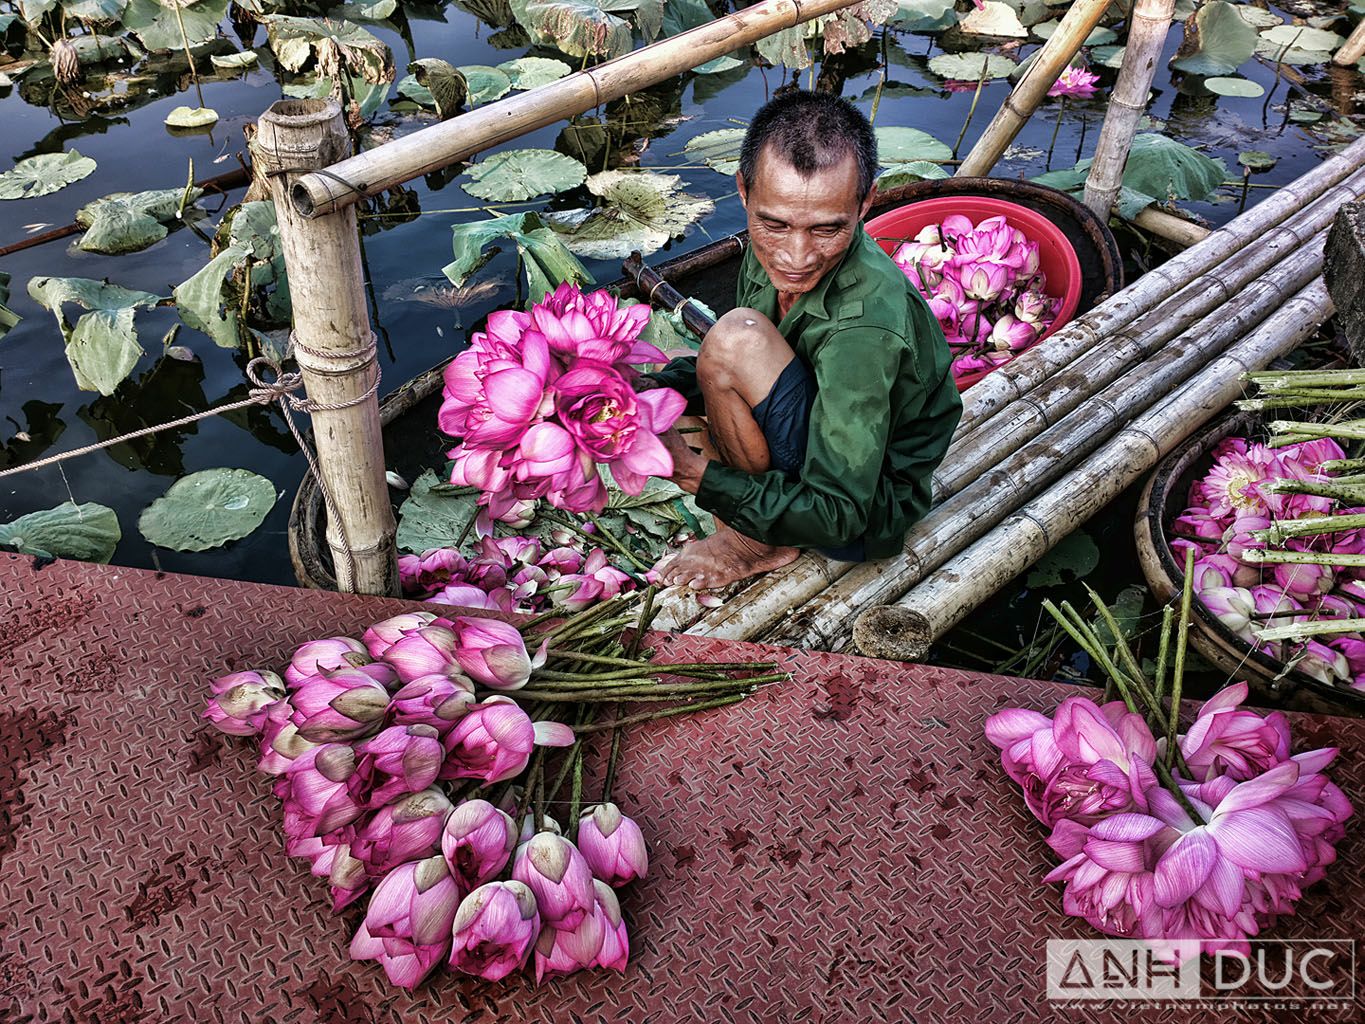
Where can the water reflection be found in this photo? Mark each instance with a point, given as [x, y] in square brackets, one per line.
[39, 432]
[171, 388]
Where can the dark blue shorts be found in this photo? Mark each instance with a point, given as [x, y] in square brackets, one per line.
[784, 418]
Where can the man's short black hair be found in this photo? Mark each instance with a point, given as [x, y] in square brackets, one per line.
[812, 131]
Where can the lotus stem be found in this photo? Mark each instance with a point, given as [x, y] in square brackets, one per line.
[1255, 556]
[1343, 465]
[1178, 672]
[1163, 648]
[575, 793]
[1282, 529]
[1353, 429]
[1274, 379]
[1348, 493]
[617, 543]
[971, 111]
[705, 705]
[612, 757]
[527, 794]
[1061, 113]
[1299, 630]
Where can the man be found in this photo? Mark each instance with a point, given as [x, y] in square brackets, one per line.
[827, 392]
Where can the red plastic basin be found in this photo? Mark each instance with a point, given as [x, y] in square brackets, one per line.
[1056, 254]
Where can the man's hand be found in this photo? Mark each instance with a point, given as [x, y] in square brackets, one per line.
[688, 466]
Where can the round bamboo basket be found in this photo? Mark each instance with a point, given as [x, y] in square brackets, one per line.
[1163, 499]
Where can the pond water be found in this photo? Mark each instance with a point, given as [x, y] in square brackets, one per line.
[43, 411]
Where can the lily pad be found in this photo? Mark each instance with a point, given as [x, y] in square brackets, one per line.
[157, 25]
[580, 28]
[1258, 17]
[896, 145]
[43, 174]
[516, 174]
[377, 11]
[1243, 87]
[207, 509]
[915, 170]
[1074, 558]
[643, 211]
[235, 61]
[102, 347]
[88, 532]
[923, 15]
[486, 83]
[1298, 44]
[1109, 56]
[191, 117]
[129, 221]
[544, 257]
[444, 84]
[968, 67]
[718, 149]
[1217, 41]
[434, 514]
[1099, 36]
[358, 50]
[533, 72]
[1257, 160]
[8, 318]
[993, 18]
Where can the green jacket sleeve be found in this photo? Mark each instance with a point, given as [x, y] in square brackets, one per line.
[827, 505]
[681, 375]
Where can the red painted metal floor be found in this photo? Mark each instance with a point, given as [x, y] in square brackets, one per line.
[841, 849]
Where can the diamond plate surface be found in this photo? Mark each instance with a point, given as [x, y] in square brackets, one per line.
[841, 849]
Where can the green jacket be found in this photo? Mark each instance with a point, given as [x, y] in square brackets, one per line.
[885, 409]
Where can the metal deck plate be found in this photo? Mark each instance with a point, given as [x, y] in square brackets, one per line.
[842, 849]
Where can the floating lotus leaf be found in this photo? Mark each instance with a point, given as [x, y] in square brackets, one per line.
[896, 145]
[718, 149]
[1109, 56]
[533, 72]
[1131, 202]
[191, 117]
[1298, 44]
[8, 318]
[1157, 167]
[45, 173]
[357, 49]
[580, 28]
[1099, 36]
[923, 15]
[129, 221]
[545, 260]
[434, 514]
[444, 84]
[200, 299]
[1217, 41]
[1258, 17]
[516, 174]
[235, 61]
[88, 532]
[968, 67]
[207, 509]
[102, 347]
[1074, 558]
[94, 10]
[643, 211]
[993, 18]
[486, 83]
[915, 170]
[1234, 87]
[157, 26]
[377, 11]
[1257, 160]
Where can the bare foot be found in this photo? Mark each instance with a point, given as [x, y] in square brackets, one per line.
[722, 558]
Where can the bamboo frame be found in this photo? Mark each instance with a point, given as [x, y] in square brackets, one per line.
[1353, 49]
[1055, 54]
[461, 137]
[333, 343]
[1178, 230]
[906, 629]
[1149, 22]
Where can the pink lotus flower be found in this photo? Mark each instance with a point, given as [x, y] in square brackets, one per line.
[1310, 455]
[432, 569]
[407, 927]
[1304, 582]
[408, 829]
[1233, 486]
[400, 760]
[492, 652]
[1213, 571]
[1034, 308]
[1074, 82]
[559, 876]
[563, 950]
[321, 856]
[494, 929]
[241, 701]
[1226, 739]
[612, 844]
[1353, 650]
[466, 595]
[324, 656]
[348, 880]
[1320, 661]
[599, 581]
[592, 326]
[1242, 610]
[615, 951]
[322, 791]
[344, 704]
[495, 388]
[984, 281]
[281, 743]
[477, 841]
[383, 635]
[492, 742]
[1011, 335]
[427, 651]
[435, 700]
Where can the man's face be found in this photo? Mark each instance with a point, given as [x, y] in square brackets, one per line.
[800, 227]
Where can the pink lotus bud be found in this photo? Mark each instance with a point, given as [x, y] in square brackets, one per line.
[1237, 538]
[409, 572]
[561, 561]
[612, 844]
[321, 856]
[408, 829]
[529, 829]
[1304, 581]
[1223, 571]
[615, 951]
[383, 635]
[341, 705]
[241, 701]
[491, 742]
[560, 878]
[321, 789]
[494, 930]
[318, 656]
[984, 281]
[1012, 335]
[563, 537]
[1353, 649]
[281, 743]
[492, 653]
[348, 880]
[1234, 607]
[427, 651]
[408, 924]
[1033, 307]
[400, 760]
[1323, 663]
[438, 701]
[562, 950]
[477, 841]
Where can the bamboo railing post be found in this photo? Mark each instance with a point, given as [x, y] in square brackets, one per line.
[1353, 49]
[1147, 28]
[333, 343]
[1056, 53]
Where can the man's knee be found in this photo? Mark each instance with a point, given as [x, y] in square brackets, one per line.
[733, 340]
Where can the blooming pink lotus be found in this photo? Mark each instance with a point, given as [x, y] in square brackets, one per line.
[407, 927]
[241, 701]
[1233, 486]
[1074, 82]
[1226, 739]
[984, 281]
[477, 841]
[612, 844]
[559, 876]
[494, 929]
[598, 581]
[407, 829]
[576, 325]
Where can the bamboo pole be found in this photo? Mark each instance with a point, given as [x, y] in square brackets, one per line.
[1019, 105]
[906, 629]
[1353, 49]
[971, 513]
[1147, 27]
[1182, 232]
[333, 343]
[461, 137]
